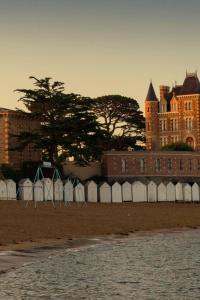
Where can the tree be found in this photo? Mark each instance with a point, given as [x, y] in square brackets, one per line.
[177, 147]
[121, 120]
[67, 124]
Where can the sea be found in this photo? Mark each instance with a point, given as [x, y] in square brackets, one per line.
[155, 266]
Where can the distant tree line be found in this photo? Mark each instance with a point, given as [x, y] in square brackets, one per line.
[82, 127]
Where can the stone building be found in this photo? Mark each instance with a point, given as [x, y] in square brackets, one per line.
[13, 122]
[175, 117]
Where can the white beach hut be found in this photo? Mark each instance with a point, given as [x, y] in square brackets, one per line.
[105, 193]
[126, 192]
[38, 193]
[3, 190]
[58, 190]
[171, 192]
[162, 192]
[79, 193]
[47, 189]
[11, 189]
[139, 192]
[187, 192]
[152, 191]
[116, 193]
[195, 192]
[179, 191]
[26, 189]
[91, 191]
[68, 191]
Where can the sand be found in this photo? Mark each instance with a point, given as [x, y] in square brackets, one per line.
[22, 228]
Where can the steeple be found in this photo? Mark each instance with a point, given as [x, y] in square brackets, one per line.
[151, 95]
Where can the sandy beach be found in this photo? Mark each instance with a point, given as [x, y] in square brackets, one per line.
[23, 228]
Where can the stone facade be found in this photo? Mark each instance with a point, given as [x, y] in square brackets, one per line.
[11, 123]
[175, 117]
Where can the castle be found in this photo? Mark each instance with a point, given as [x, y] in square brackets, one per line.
[176, 116]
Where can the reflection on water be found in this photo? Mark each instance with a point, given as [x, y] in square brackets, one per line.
[160, 266]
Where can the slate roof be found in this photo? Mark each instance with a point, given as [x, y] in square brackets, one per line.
[191, 85]
[151, 95]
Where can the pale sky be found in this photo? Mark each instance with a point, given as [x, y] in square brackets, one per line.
[98, 47]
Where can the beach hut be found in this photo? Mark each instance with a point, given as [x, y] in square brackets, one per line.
[162, 192]
[11, 189]
[116, 193]
[179, 191]
[79, 193]
[47, 189]
[91, 191]
[171, 192]
[58, 190]
[3, 190]
[105, 193]
[187, 192]
[139, 192]
[68, 191]
[25, 189]
[195, 192]
[126, 192]
[152, 191]
[38, 193]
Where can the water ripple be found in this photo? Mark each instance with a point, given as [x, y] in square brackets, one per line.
[160, 266]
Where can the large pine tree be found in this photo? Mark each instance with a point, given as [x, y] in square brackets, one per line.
[67, 125]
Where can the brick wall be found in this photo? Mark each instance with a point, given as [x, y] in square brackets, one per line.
[125, 164]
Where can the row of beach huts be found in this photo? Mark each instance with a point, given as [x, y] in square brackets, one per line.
[68, 191]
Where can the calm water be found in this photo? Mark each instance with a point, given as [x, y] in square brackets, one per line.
[157, 267]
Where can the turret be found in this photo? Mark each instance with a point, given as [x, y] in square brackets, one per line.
[151, 115]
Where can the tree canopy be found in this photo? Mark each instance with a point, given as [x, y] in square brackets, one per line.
[122, 121]
[67, 125]
[73, 125]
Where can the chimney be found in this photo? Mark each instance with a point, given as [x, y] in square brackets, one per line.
[164, 90]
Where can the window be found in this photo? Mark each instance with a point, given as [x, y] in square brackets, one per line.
[173, 107]
[163, 141]
[174, 124]
[190, 164]
[163, 107]
[181, 164]
[169, 164]
[188, 105]
[188, 123]
[158, 164]
[123, 161]
[142, 165]
[163, 125]
[174, 138]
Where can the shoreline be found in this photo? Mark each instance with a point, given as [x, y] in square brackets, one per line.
[12, 258]
[26, 233]
[22, 227]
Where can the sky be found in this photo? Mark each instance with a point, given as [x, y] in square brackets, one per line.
[97, 47]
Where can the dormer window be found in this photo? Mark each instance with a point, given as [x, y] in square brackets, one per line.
[173, 106]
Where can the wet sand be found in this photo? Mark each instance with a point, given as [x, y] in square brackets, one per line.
[25, 228]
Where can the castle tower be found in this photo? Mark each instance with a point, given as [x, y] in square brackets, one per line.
[152, 122]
